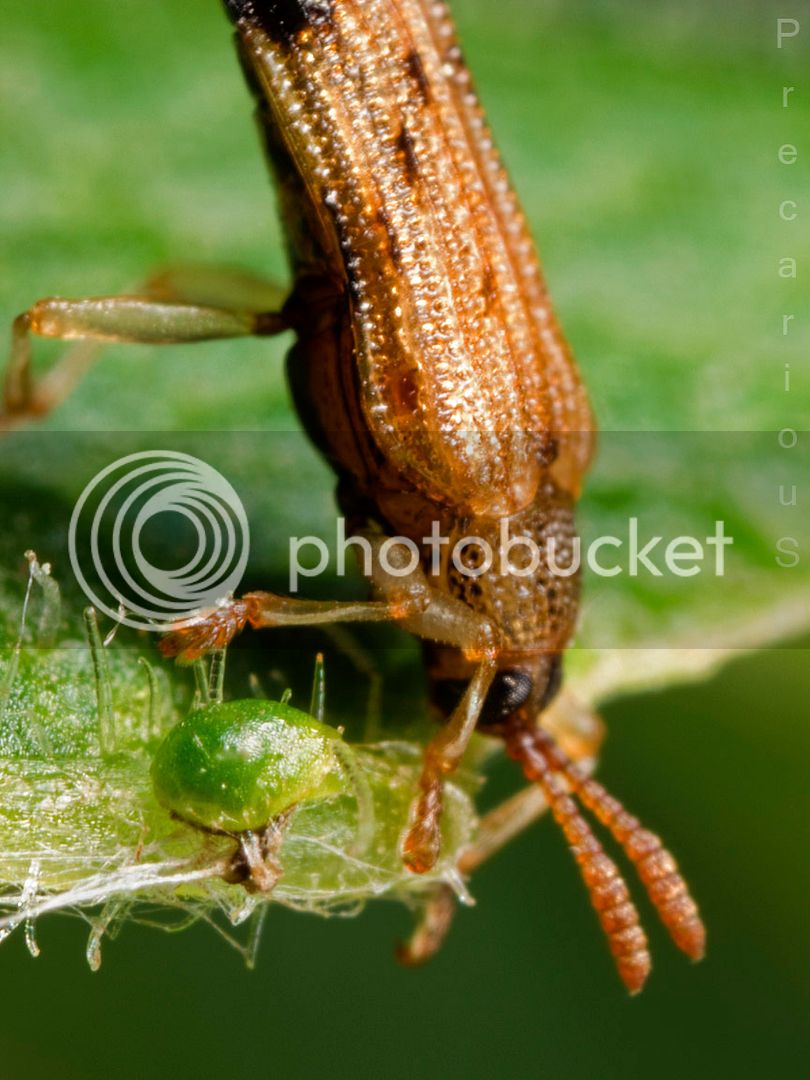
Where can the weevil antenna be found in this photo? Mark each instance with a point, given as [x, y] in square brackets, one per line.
[655, 866]
[317, 704]
[606, 887]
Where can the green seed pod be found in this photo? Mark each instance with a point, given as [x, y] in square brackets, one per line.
[234, 766]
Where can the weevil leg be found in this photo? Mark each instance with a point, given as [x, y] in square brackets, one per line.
[432, 927]
[409, 600]
[502, 824]
[495, 830]
[422, 843]
[580, 731]
[404, 598]
[196, 636]
[177, 306]
[450, 622]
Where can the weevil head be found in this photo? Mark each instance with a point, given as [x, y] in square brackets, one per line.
[526, 585]
[234, 766]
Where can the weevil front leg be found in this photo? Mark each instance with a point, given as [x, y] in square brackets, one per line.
[580, 732]
[436, 915]
[404, 597]
[407, 599]
[495, 830]
[422, 844]
[179, 306]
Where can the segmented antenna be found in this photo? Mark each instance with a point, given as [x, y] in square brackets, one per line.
[656, 868]
[606, 887]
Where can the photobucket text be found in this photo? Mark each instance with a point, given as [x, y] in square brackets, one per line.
[517, 554]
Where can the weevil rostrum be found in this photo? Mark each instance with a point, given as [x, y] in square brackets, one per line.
[430, 370]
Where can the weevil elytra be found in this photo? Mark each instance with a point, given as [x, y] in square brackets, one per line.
[430, 370]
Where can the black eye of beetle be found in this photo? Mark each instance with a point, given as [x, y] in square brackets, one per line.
[510, 689]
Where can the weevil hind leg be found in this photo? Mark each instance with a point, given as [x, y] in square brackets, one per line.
[175, 306]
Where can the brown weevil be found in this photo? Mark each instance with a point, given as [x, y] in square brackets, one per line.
[430, 370]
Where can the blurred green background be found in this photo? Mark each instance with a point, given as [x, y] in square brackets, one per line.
[643, 143]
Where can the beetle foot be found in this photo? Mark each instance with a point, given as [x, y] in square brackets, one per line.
[431, 929]
[206, 632]
[423, 841]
